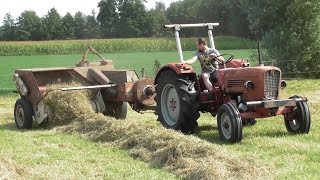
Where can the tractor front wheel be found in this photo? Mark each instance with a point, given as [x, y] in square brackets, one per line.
[229, 123]
[175, 99]
[23, 114]
[299, 120]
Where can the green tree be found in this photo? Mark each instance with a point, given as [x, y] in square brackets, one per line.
[92, 26]
[80, 25]
[28, 26]
[236, 20]
[68, 24]
[228, 13]
[8, 28]
[52, 25]
[297, 37]
[133, 17]
[196, 11]
[108, 18]
[156, 19]
[1, 33]
[264, 16]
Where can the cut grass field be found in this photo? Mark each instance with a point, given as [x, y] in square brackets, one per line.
[48, 154]
[43, 153]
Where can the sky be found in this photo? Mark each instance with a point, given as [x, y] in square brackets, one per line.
[41, 7]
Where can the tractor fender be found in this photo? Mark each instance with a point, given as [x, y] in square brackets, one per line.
[178, 68]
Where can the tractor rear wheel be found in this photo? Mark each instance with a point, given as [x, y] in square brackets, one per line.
[229, 123]
[176, 96]
[23, 114]
[117, 110]
[299, 120]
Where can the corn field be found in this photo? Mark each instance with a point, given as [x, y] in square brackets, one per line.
[113, 45]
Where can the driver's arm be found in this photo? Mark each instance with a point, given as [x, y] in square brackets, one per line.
[192, 60]
[216, 54]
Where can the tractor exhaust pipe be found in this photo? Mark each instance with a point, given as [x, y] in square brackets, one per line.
[259, 55]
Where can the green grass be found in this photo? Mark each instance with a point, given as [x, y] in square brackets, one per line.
[292, 156]
[134, 61]
[47, 154]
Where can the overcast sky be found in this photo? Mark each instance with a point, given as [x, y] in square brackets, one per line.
[41, 7]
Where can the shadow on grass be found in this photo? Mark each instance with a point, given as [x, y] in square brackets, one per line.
[211, 134]
[207, 128]
[272, 134]
[7, 92]
[8, 126]
[11, 126]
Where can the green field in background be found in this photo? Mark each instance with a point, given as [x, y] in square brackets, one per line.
[135, 61]
[66, 47]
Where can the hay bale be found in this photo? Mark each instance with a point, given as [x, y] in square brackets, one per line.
[185, 155]
[67, 106]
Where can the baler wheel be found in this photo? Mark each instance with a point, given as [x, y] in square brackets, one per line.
[299, 120]
[117, 110]
[23, 114]
[175, 99]
[229, 123]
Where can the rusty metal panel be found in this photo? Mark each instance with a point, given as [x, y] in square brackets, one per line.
[34, 96]
[125, 92]
[231, 78]
[120, 76]
[141, 94]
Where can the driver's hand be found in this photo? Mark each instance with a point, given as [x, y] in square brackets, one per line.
[221, 58]
[185, 63]
[212, 56]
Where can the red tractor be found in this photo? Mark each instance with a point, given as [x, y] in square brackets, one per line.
[241, 93]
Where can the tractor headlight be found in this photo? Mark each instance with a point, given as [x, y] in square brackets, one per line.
[249, 85]
[283, 84]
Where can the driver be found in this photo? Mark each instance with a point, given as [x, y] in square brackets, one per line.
[206, 56]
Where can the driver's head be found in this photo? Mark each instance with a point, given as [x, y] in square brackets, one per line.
[201, 44]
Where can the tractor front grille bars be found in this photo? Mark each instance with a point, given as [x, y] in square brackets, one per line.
[271, 84]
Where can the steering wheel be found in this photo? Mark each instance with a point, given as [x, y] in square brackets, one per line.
[224, 62]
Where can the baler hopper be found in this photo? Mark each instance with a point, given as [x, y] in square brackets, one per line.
[112, 89]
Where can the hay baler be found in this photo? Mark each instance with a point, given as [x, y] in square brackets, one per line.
[112, 89]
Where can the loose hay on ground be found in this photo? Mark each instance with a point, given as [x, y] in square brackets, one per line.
[8, 169]
[185, 155]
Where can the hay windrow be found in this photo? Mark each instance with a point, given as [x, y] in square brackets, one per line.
[185, 155]
[9, 169]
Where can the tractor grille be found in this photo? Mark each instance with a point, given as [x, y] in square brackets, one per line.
[272, 80]
[235, 83]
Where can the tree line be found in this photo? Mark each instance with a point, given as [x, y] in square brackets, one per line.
[125, 19]
[288, 29]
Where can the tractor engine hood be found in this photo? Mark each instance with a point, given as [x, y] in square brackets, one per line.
[254, 83]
